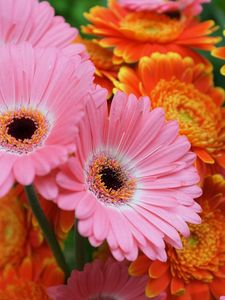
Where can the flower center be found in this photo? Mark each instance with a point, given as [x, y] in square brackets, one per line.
[25, 290]
[198, 116]
[109, 181]
[12, 231]
[111, 178]
[203, 252]
[23, 130]
[152, 27]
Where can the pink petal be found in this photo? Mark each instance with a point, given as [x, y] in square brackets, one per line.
[24, 171]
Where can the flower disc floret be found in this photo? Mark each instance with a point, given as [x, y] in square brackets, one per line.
[151, 27]
[21, 131]
[109, 182]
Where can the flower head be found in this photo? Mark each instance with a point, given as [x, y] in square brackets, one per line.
[192, 7]
[136, 34]
[132, 181]
[220, 53]
[42, 89]
[186, 92]
[197, 270]
[34, 22]
[99, 280]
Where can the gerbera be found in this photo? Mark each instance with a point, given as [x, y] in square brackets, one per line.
[29, 281]
[29, 20]
[189, 6]
[102, 280]
[105, 70]
[220, 53]
[42, 93]
[186, 92]
[197, 270]
[137, 34]
[132, 181]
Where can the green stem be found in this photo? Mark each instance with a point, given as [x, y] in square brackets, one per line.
[46, 228]
[79, 249]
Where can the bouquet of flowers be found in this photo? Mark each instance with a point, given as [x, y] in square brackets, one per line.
[112, 153]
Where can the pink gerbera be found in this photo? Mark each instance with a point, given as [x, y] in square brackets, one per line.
[192, 7]
[41, 95]
[29, 20]
[132, 181]
[102, 280]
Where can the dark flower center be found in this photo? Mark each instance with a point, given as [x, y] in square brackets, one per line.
[173, 14]
[111, 178]
[22, 128]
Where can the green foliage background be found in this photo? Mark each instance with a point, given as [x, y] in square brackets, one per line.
[72, 11]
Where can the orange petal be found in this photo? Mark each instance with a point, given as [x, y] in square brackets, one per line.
[219, 52]
[204, 156]
[221, 160]
[157, 269]
[52, 275]
[139, 266]
[156, 286]
[8, 276]
[66, 219]
[218, 287]
[199, 290]
[25, 270]
[177, 287]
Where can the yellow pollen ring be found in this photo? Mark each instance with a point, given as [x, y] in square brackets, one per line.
[200, 119]
[17, 145]
[152, 27]
[202, 254]
[110, 195]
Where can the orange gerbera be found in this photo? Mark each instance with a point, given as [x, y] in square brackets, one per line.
[197, 271]
[20, 234]
[220, 53]
[137, 34]
[105, 70]
[186, 92]
[30, 280]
